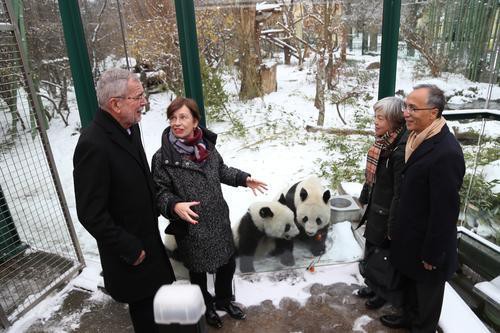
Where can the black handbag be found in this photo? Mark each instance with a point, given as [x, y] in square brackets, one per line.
[377, 269]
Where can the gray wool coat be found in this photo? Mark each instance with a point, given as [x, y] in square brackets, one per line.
[209, 244]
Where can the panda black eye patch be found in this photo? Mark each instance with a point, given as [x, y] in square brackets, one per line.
[318, 221]
[287, 227]
[265, 212]
[305, 219]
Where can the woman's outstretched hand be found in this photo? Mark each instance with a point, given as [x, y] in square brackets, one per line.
[183, 210]
[255, 184]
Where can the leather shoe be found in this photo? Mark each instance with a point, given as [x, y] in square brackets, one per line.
[365, 292]
[232, 310]
[395, 321]
[213, 318]
[376, 302]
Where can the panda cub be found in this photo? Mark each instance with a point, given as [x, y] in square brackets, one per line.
[264, 219]
[310, 203]
[181, 272]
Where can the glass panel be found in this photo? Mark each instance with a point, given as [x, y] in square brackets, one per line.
[141, 35]
[454, 44]
[480, 210]
[271, 70]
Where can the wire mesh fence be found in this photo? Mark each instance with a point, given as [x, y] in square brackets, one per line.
[38, 247]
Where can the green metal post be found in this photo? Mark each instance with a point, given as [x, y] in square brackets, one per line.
[78, 59]
[186, 26]
[389, 49]
[18, 7]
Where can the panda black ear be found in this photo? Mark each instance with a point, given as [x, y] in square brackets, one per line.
[303, 194]
[326, 196]
[282, 199]
[266, 212]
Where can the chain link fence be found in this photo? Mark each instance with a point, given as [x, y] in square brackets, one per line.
[38, 246]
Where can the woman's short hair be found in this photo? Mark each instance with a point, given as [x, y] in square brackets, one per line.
[113, 83]
[179, 102]
[393, 110]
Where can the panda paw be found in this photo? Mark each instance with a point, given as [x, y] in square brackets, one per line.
[317, 250]
[276, 252]
[246, 264]
[287, 259]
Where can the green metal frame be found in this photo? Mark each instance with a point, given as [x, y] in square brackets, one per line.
[188, 41]
[80, 64]
[78, 60]
[389, 49]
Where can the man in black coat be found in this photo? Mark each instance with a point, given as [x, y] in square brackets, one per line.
[424, 238]
[115, 198]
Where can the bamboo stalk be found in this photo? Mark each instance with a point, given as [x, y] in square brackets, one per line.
[477, 41]
[445, 30]
[459, 49]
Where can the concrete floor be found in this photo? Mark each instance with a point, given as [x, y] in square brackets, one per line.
[330, 308]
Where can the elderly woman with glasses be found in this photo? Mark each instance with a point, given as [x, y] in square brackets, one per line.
[188, 172]
[385, 162]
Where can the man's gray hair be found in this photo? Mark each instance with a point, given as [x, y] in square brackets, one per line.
[435, 98]
[393, 110]
[113, 83]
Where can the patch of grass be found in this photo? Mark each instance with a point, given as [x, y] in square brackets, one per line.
[344, 161]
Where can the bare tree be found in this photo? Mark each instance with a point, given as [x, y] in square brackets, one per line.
[416, 33]
[366, 17]
[153, 40]
[325, 18]
[47, 52]
[249, 57]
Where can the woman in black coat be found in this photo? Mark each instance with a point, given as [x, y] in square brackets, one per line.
[385, 161]
[188, 172]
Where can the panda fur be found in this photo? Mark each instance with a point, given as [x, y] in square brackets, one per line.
[264, 220]
[310, 203]
[181, 272]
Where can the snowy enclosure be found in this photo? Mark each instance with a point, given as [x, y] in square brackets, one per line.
[268, 136]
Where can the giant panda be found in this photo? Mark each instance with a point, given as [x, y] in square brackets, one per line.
[181, 272]
[310, 203]
[270, 220]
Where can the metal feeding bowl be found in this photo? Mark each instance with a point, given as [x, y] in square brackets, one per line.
[344, 208]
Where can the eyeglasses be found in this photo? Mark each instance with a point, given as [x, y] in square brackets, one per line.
[136, 98]
[412, 109]
[182, 118]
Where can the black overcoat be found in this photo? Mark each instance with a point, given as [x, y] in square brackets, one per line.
[209, 244]
[429, 204]
[383, 196]
[115, 202]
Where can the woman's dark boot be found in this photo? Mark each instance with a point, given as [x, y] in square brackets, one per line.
[232, 310]
[212, 317]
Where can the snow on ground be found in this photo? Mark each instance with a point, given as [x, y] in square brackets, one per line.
[276, 150]
[454, 308]
[253, 289]
[450, 83]
[360, 322]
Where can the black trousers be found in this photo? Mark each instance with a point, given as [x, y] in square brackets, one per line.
[223, 284]
[142, 316]
[422, 304]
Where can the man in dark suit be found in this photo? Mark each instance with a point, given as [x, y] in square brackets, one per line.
[424, 239]
[115, 198]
